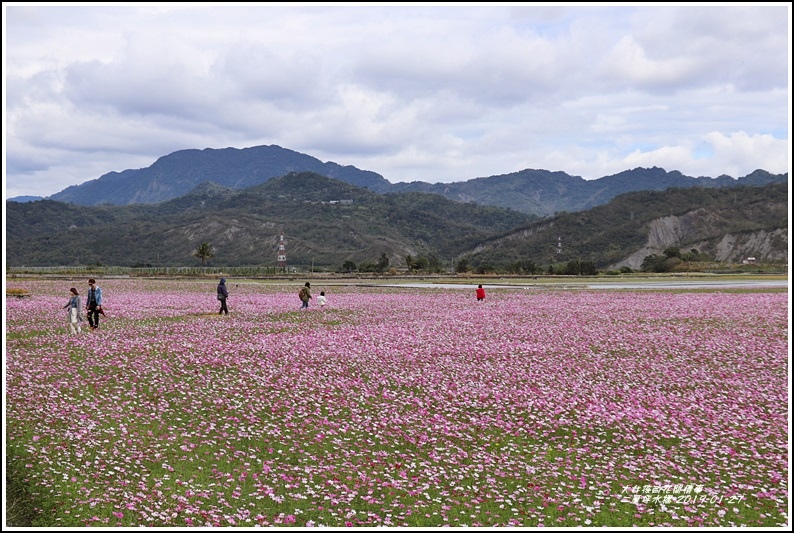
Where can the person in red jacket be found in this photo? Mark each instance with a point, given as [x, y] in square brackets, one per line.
[480, 293]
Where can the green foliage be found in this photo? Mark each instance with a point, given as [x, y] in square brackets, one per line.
[20, 504]
[204, 252]
[367, 266]
[434, 264]
[485, 268]
[524, 266]
[580, 268]
[383, 263]
[423, 263]
[463, 266]
[693, 256]
[660, 263]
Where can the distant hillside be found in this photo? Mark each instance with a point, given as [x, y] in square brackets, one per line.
[536, 192]
[178, 173]
[325, 221]
[726, 224]
[544, 193]
[23, 199]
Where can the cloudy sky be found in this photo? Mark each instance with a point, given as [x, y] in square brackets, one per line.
[431, 93]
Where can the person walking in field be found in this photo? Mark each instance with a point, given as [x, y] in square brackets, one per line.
[305, 295]
[321, 299]
[75, 311]
[223, 293]
[480, 292]
[93, 304]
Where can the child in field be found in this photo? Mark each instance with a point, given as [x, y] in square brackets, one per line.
[321, 299]
[480, 292]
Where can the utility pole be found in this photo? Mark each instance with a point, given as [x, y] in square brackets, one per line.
[281, 258]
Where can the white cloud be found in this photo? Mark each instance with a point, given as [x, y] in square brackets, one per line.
[745, 153]
[629, 62]
[432, 93]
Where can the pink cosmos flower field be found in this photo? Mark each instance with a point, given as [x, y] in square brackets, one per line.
[399, 407]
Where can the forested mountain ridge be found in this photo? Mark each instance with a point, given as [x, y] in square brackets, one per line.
[537, 192]
[721, 224]
[328, 222]
[545, 193]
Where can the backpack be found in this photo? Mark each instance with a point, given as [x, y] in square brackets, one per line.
[302, 293]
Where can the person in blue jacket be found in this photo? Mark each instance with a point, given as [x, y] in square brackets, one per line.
[93, 304]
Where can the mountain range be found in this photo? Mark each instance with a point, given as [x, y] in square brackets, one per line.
[536, 192]
[328, 222]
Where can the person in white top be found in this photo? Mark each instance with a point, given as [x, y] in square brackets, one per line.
[321, 299]
[75, 315]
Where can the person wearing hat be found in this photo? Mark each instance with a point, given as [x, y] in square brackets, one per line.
[223, 293]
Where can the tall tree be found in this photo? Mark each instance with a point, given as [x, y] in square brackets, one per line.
[383, 262]
[204, 252]
[462, 266]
